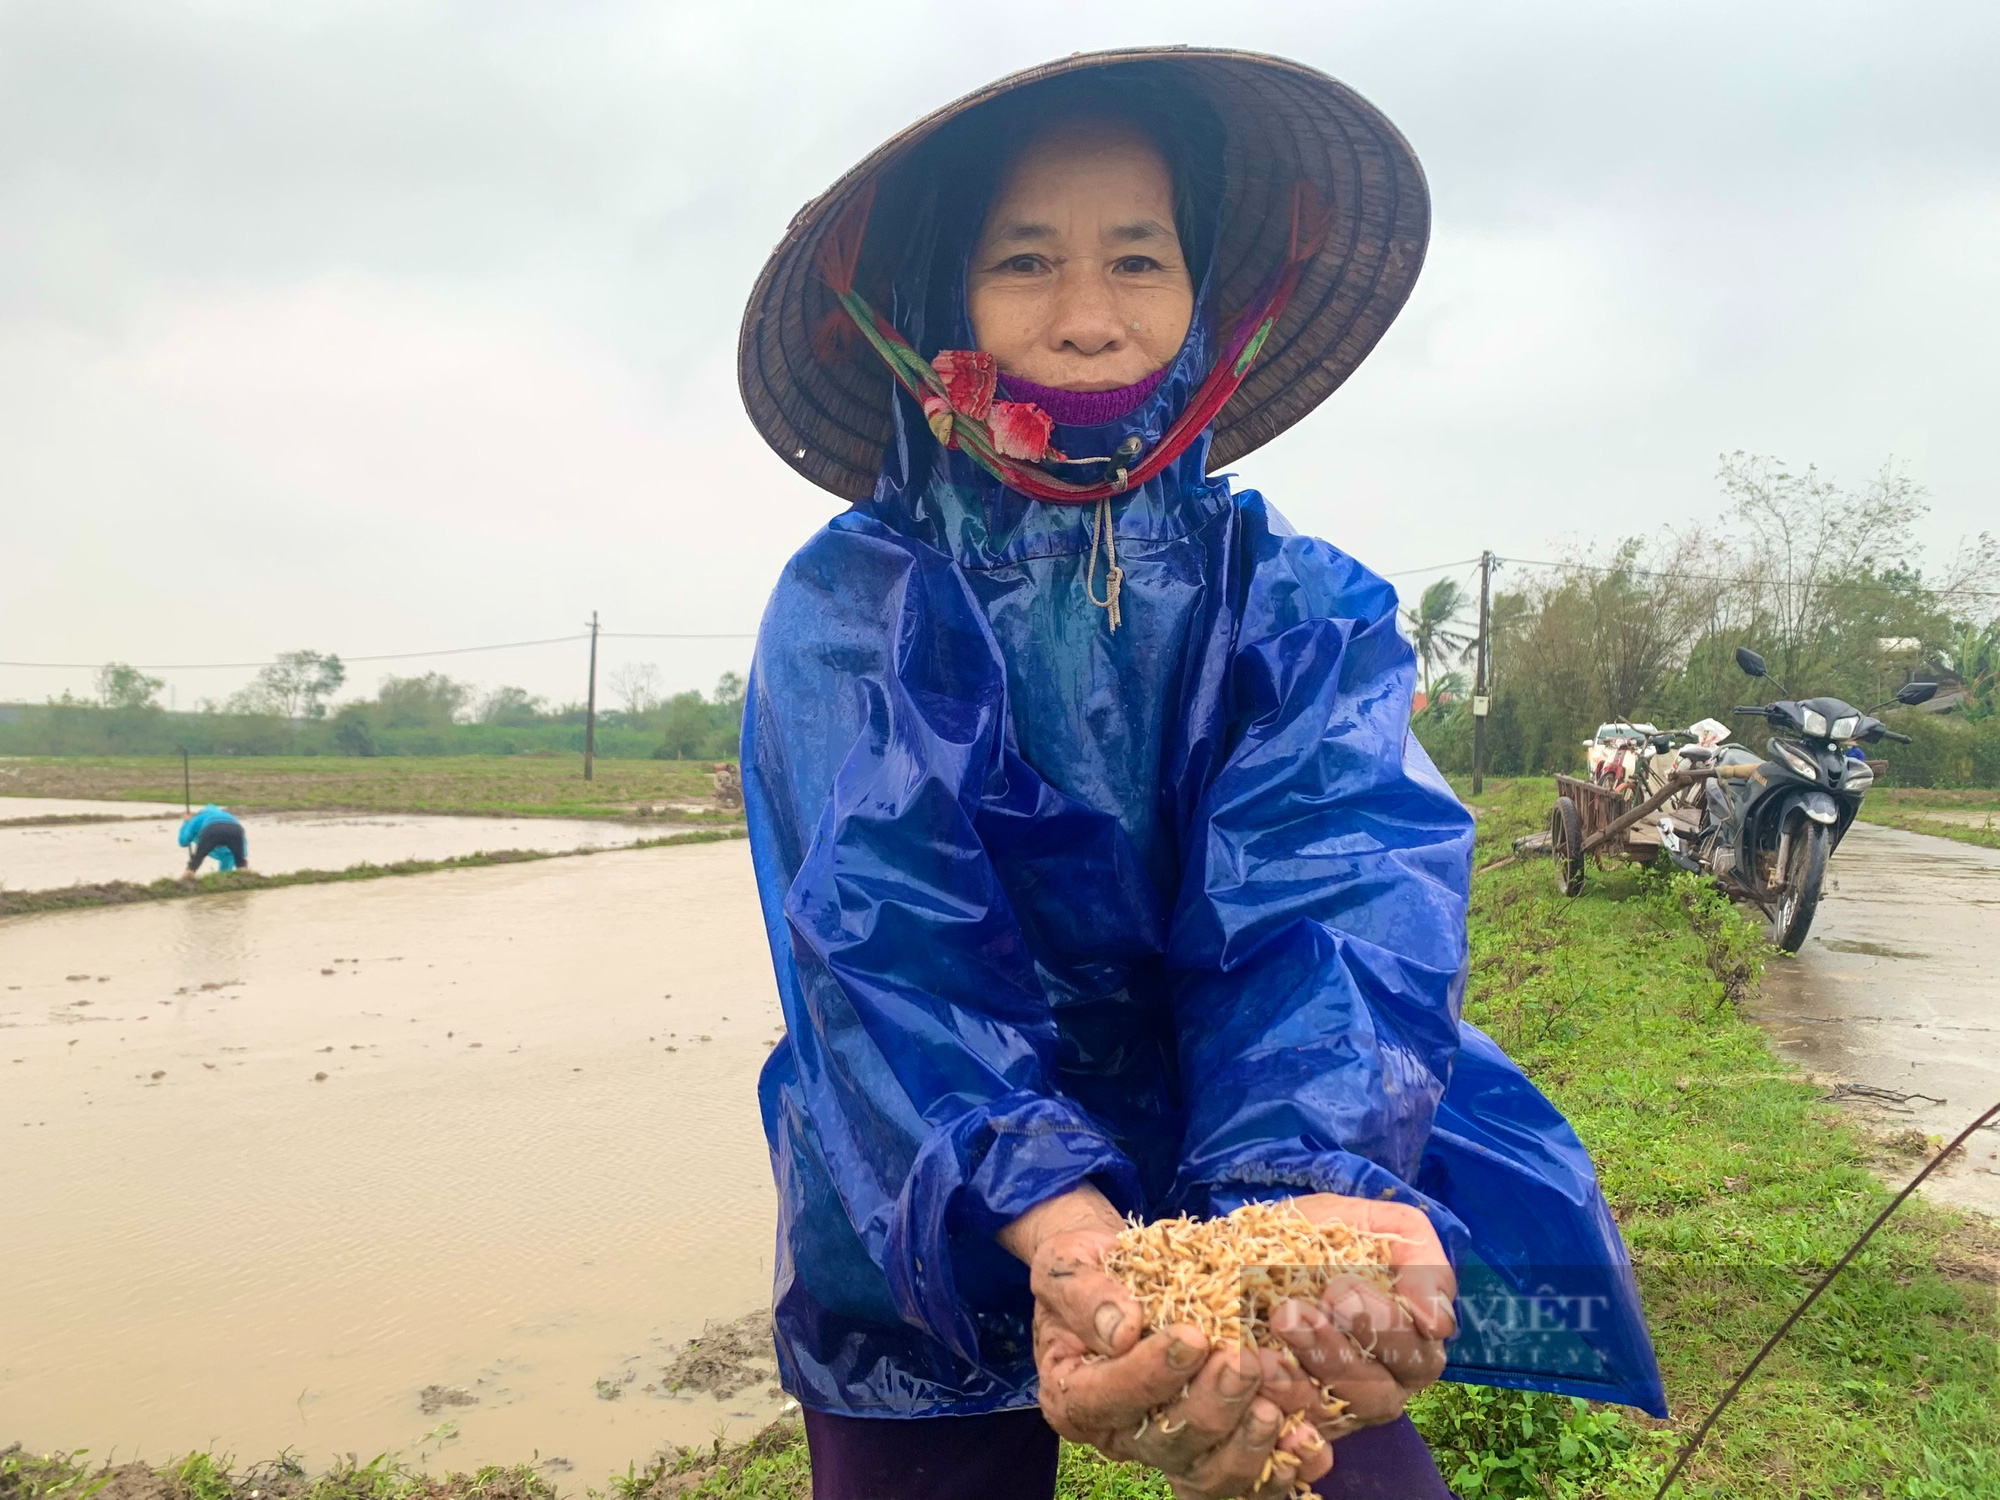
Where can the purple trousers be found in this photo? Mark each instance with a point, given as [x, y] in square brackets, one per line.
[1011, 1455]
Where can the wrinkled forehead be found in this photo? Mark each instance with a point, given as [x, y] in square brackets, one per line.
[1106, 180]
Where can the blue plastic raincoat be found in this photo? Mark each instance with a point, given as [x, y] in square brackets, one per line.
[192, 827]
[1178, 911]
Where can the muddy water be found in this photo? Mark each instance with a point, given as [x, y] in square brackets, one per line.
[35, 858]
[1899, 988]
[521, 1174]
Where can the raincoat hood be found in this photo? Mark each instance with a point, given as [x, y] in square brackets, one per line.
[1176, 910]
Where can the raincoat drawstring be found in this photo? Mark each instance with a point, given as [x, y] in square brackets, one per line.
[1114, 576]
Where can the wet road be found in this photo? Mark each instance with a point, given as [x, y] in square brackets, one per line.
[273, 1162]
[1899, 988]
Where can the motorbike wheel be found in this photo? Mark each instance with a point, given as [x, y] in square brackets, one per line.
[1805, 873]
[1566, 846]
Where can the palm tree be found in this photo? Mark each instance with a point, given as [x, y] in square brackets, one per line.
[1450, 699]
[1429, 625]
[1975, 655]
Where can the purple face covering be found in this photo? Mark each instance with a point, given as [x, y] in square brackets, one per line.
[1082, 408]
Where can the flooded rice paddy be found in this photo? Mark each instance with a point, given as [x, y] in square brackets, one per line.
[1898, 989]
[276, 1162]
[142, 849]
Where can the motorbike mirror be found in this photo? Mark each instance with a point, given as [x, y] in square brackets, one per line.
[1911, 694]
[1751, 662]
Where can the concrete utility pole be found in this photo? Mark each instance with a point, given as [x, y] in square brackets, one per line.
[1480, 701]
[590, 705]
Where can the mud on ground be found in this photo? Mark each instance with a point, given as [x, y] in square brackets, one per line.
[726, 1357]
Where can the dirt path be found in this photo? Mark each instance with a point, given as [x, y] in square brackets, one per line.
[1898, 989]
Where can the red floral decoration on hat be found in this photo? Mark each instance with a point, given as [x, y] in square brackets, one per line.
[970, 378]
[1021, 430]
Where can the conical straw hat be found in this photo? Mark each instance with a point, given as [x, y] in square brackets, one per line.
[1282, 123]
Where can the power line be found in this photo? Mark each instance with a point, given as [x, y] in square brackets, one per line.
[554, 640]
[405, 657]
[676, 635]
[240, 666]
[1463, 562]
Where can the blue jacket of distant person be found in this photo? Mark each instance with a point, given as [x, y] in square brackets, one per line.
[191, 831]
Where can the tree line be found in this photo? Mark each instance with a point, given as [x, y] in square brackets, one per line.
[289, 709]
[1826, 581]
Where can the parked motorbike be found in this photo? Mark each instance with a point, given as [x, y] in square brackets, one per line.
[1770, 822]
[1616, 752]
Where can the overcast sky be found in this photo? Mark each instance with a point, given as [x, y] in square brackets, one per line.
[378, 327]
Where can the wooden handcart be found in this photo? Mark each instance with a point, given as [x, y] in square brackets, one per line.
[1589, 820]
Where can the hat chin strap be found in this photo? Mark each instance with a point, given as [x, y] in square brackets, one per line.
[968, 424]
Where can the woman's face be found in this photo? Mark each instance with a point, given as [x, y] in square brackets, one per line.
[1078, 280]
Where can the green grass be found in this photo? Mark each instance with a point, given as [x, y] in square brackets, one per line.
[204, 1476]
[1735, 1184]
[514, 785]
[1915, 809]
[1918, 798]
[1986, 835]
[126, 892]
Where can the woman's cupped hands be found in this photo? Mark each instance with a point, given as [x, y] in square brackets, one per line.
[1212, 1420]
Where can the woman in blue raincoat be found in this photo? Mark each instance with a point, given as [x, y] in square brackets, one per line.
[1101, 873]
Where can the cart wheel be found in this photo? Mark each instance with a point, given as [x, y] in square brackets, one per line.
[1566, 846]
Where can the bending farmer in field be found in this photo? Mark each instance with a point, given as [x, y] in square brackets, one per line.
[214, 830]
[1101, 873]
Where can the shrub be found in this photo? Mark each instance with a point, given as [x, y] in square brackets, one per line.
[1947, 751]
[353, 733]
